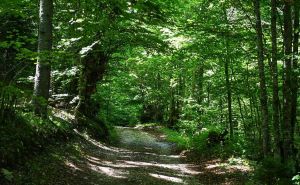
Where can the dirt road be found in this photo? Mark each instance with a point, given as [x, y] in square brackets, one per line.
[140, 158]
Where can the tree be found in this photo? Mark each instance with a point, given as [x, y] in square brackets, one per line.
[42, 75]
[287, 87]
[227, 77]
[262, 80]
[295, 66]
[275, 98]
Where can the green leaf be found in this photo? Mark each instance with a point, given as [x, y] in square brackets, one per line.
[8, 175]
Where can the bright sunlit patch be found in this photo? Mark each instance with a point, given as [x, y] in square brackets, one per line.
[111, 172]
[102, 146]
[167, 178]
[161, 155]
[232, 165]
[181, 168]
[212, 166]
[72, 166]
[109, 163]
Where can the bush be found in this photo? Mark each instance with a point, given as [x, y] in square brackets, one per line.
[182, 141]
[187, 127]
[198, 143]
[272, 171]
[296, 179]
[201, 145]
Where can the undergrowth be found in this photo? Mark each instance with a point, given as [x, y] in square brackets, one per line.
[97, 129]
[198, 143]
[266, 171]
[24, 134]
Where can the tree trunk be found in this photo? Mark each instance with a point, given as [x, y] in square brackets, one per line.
[275, 98]
[43, 69]
[228, 90]
[242, 114]
[158, 117]
[295, 68]
[93, 68]
[200, 84]
[287, 88]
[262, 80]
[173, 115]
[198, 93]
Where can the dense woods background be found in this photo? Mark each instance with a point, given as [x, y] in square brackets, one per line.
[199, 68]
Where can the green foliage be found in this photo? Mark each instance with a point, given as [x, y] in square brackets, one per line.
[65, 80]
[24, 135]
[187, 127]
[296, 179]
[272, 171]
[182, 141]
[9, 97]
[16, 43]
[164, 63]
[96, 129]
[8, 175]
[198, 143]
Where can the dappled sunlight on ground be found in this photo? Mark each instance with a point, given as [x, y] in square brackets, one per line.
[72, 166]
[111, 172]
[167, 178]
[180, 168]
[225, 165]
[137, 160]
[134, 161]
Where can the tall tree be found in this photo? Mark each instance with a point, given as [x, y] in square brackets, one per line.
[43, 68]
[227, 76]
[287, 88]
[275, 98]
[295, 66]
[262, 80]
[228, 89]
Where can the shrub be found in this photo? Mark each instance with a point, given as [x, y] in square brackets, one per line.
[25, 134]
[182, 141]
[198, 143]
[272, 171]
[296, 179]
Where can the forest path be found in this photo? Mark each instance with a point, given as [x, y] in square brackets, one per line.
[140, 158]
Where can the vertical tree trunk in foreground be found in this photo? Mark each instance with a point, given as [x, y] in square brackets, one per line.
[287, 91]
[295, 68]
[275, 101]
[42, 76]
[228, 89]
[93, 69]
[262, 80]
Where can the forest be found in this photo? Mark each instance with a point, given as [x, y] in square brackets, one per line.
[149, 92]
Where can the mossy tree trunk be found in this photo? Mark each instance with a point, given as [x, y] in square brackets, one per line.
[92, 71]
